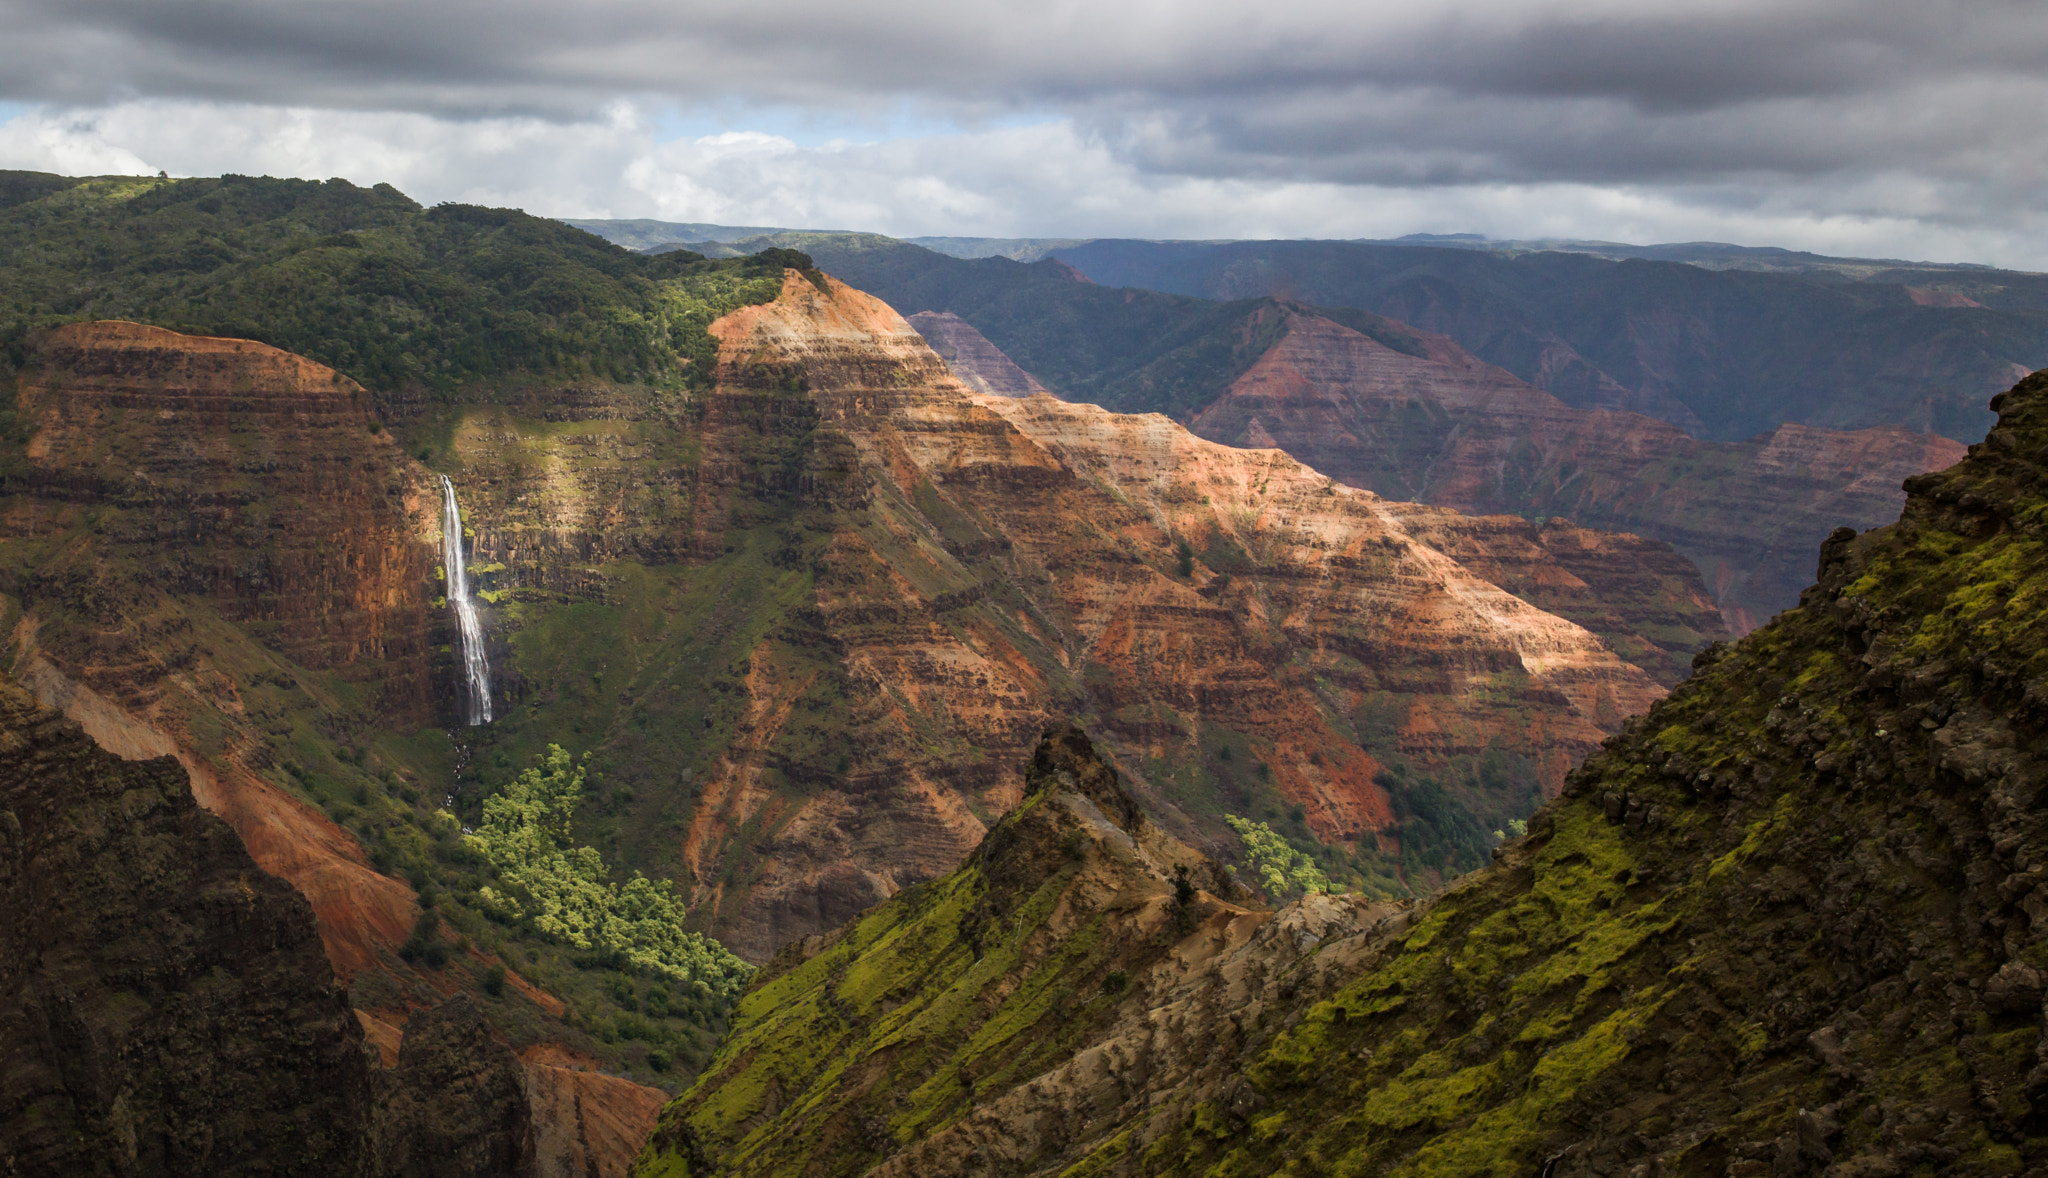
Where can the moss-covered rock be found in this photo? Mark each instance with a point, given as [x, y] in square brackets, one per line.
[1785, 919]
[850, 1047]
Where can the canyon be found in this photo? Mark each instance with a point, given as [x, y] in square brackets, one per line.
[949, 702]
[1784, 923]
[865, 586]
[848, 590]
[1445, 428]
[874, 588]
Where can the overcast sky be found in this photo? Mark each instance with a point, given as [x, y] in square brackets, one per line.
[1907, 129]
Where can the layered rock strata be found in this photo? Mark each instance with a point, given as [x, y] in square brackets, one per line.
[180, 494]
[243, 476]
[861, 593]
[989, 564]
[216, 554]
[1445, 428]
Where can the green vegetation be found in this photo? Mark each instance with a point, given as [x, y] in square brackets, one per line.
[561, 890]
[363, 279]
[1778, 924]
[1278, 868]
[895, 1027]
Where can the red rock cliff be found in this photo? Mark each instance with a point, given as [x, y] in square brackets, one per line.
[1448, 429]
[1002, 561]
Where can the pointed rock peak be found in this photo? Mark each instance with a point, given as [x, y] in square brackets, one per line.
[822, 337]
[1066, 759]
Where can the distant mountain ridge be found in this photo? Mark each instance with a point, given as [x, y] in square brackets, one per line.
[1723, 341]
[1724, 353]
[642, 233]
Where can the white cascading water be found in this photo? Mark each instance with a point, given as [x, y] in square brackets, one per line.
[476, 668]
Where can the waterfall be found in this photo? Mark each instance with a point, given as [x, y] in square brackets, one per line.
[476, 668]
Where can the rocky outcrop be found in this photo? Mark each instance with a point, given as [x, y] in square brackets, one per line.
[456, 1105]
[979, 364]
[165, 1005]
[1444, 428]
[952, 994]
[1786, 923]
[586, 1124]
[453, 1100]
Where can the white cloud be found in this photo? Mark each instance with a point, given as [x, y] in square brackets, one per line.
[1052, 178]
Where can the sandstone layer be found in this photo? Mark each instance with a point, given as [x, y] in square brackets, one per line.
[994, 563]
[181, 495]
[1445, 428]
[807, 622]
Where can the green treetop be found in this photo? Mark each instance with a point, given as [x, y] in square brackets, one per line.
[562, 890]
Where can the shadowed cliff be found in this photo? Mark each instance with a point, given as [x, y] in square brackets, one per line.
[165, 1006]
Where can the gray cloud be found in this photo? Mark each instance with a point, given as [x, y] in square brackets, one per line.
[1909, 113]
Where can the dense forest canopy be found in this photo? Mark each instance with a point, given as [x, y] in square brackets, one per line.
[363, 279]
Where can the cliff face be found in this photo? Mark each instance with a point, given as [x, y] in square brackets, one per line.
[807, 622]
[181, 493]
[246, 477]
[165, 1006]
[1447, 429]
[979, 364]
[1786, 923]
[1639, 596]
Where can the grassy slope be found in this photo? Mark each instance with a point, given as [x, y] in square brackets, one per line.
[951, 991]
